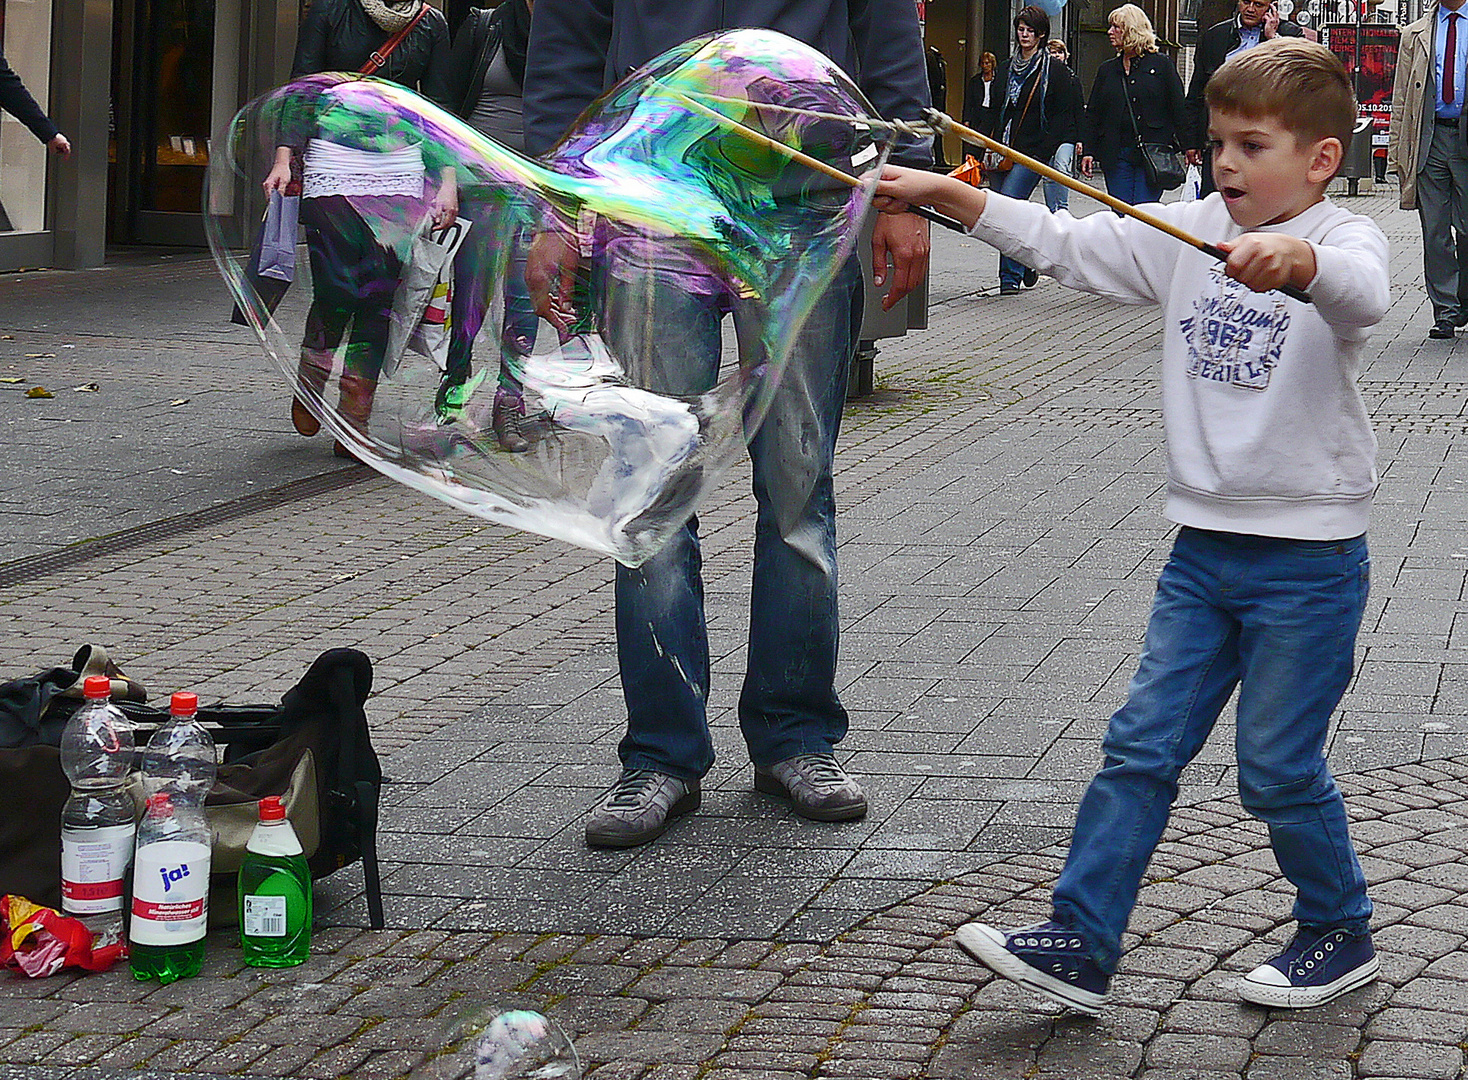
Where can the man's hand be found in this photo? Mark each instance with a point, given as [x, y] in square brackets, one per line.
[1088, 166]
[1271, 23]
[550, 270]
[1194, 157]
[900, 254]
[1265, 261]
[60, 145]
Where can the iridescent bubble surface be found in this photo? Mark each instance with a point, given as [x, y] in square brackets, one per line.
[590, 424]
[490, 1044]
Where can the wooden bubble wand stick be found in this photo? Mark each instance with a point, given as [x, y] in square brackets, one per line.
[941, 121]
[759, 138]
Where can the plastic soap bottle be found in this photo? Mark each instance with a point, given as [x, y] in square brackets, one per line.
[170, 912]
[97, 822]
[274, 892]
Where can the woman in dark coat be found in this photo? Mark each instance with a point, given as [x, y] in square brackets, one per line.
[1035, 117]
[981, 101]
[354, 272]
[1141, 83]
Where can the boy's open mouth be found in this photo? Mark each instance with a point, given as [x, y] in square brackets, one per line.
[1232, 193]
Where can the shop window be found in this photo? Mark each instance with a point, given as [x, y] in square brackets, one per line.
[25, 30]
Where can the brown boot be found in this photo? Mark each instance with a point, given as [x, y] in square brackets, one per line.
[311, 375]
[355, 409]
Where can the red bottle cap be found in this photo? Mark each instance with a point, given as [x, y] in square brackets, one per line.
[272, 809]
[183, 703]
[97, 687]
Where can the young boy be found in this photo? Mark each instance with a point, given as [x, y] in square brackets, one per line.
[1270, 474]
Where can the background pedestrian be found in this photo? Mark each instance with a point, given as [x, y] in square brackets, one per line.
[1137, 97]
[1034, 118]
[1426, 148]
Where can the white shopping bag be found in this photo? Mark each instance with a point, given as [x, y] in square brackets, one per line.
[1192, 184]
[420, 309]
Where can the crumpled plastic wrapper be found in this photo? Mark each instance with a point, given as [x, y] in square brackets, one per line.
[40, 941]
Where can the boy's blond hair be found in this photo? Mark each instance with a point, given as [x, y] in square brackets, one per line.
[1136, 28]
[1302, 84]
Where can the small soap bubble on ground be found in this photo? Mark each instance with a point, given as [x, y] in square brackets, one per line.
[494, 1044]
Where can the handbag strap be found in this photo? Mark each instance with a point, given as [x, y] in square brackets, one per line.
[1033, 87]
[379, 57]
[1127, 97]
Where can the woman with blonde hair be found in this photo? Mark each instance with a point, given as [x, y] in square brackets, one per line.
[1137, 98]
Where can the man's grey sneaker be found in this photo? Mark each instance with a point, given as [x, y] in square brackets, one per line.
[1313, 969]
[1047, 958]
[639, 807]
[816, 786]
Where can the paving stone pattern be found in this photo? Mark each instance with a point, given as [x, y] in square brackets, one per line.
[1001, 532]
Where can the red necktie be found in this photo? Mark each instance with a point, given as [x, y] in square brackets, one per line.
[1450, 58]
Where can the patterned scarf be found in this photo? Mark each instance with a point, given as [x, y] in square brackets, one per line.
[391, 15]
[1019, 73]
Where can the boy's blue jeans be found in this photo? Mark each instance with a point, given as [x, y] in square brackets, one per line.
[1278, 619]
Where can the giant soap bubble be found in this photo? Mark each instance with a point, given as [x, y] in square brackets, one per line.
[599, 425]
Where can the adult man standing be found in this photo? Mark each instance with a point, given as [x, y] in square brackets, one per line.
[1426, 149]
[789, 712]
[1255, 21]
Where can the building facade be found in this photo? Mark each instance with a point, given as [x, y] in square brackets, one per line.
[139, 87]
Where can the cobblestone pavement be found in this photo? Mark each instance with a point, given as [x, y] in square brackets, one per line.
[1001, 532]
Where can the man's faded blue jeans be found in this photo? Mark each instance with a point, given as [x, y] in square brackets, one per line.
[788, 704]
[1277, 619]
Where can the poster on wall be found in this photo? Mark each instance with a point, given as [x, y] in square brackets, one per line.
[1369, 51]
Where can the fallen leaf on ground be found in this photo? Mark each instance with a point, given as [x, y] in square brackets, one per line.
[38, 392]
[87, 388]
[179, 401]
[38, 355]
[9, 379]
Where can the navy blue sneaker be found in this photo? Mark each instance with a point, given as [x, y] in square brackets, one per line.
[1312, 970]
[1048, 958]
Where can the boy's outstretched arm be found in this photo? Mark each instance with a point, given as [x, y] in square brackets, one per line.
[901, 188]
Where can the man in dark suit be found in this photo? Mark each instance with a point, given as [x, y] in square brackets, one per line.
[1255, 21]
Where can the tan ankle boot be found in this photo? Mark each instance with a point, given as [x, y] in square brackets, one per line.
[355, 408]
[311, 375]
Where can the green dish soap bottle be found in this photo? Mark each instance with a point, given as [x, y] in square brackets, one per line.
[274, 892]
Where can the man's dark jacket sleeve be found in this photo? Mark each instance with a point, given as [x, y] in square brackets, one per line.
[17, 101]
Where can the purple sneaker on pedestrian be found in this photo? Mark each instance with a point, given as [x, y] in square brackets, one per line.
[1313, 969]
[1047, 958]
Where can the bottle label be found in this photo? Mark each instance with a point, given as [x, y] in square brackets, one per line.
[93, 865]
[170, 893]
[264, 916]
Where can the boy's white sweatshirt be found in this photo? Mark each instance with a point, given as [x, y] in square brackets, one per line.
[1266, 430]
